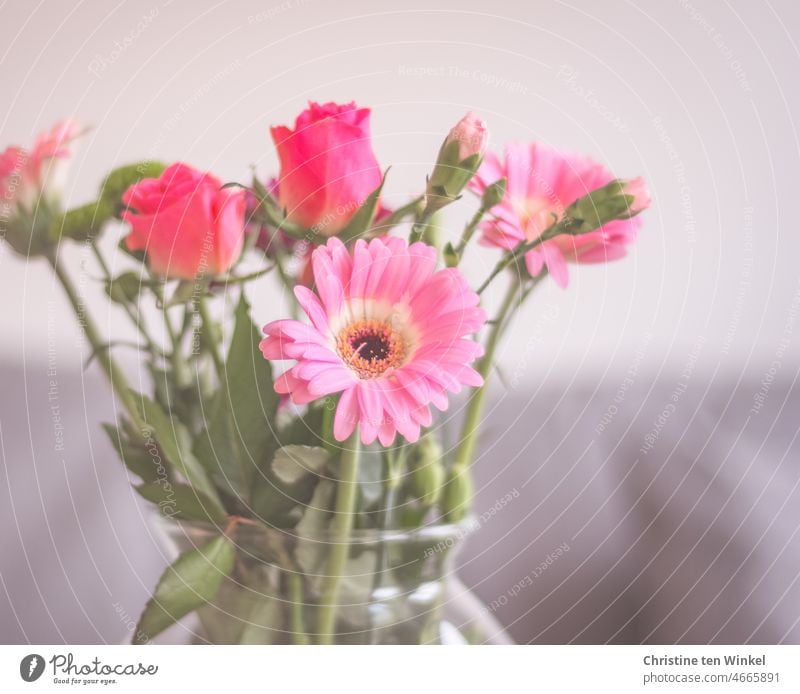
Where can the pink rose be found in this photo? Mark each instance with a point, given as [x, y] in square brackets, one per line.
[328, 167]
[471, 134]
[186, 223]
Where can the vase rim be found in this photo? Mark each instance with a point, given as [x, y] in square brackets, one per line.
[456, 530]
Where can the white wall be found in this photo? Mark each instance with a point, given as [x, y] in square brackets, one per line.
[697, 96]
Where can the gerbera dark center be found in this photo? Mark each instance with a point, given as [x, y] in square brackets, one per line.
[370, 347]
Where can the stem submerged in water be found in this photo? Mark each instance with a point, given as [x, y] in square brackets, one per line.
[346, 494]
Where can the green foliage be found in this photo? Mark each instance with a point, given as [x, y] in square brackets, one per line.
[81, 223]
[125, 288]
[189, 583]
[119, 180]
[140, 454]
[183, 502]
[362, 220]
[174, 441]
[239, 436]
[293, 463]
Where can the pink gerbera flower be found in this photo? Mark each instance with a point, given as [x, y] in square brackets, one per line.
[388, 332]
[541, 183]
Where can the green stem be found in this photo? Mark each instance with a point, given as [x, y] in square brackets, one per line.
[400, 213]
[519, 252]
[466, 448]
[469, 230]
[211, 344]
[418, 230]
[119, 383]
[299, 636]
[136, 316]
[346, 494]
[179, 367]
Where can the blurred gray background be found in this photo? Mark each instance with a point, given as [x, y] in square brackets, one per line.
[647, 416]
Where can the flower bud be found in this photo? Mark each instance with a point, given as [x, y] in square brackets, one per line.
[616, 200]
[471, 135]
[494, 194]
[428, 473]
[450, 255]
[637, 189]
[459, 158]
[30, 186]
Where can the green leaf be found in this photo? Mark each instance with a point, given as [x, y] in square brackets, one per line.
[184, 292]
[174, 441]
[125, 288]
[120, 179]
[182, 501]
[189, 583]
[293, 463]
[81, 223]
[262, 623]
[134, 453]
[250, 397]
[251, 614]
[362, 220]
[215, 446]
[239, 436]
[304, 429]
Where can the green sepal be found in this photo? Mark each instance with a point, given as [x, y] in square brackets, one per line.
[450, 255]
[494, 194]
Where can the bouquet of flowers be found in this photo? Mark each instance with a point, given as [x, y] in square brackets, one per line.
[298, 468]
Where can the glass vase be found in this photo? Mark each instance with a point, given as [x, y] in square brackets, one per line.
[393, 587]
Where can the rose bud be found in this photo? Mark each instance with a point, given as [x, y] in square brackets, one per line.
[328, 167]
[188, 225]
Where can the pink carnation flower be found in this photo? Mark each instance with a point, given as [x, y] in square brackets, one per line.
[541, 183]
[24, 174]
[387, 330]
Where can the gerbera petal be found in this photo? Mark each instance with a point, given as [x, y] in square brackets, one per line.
[313, 308]
[347, 416]
[556, 263]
